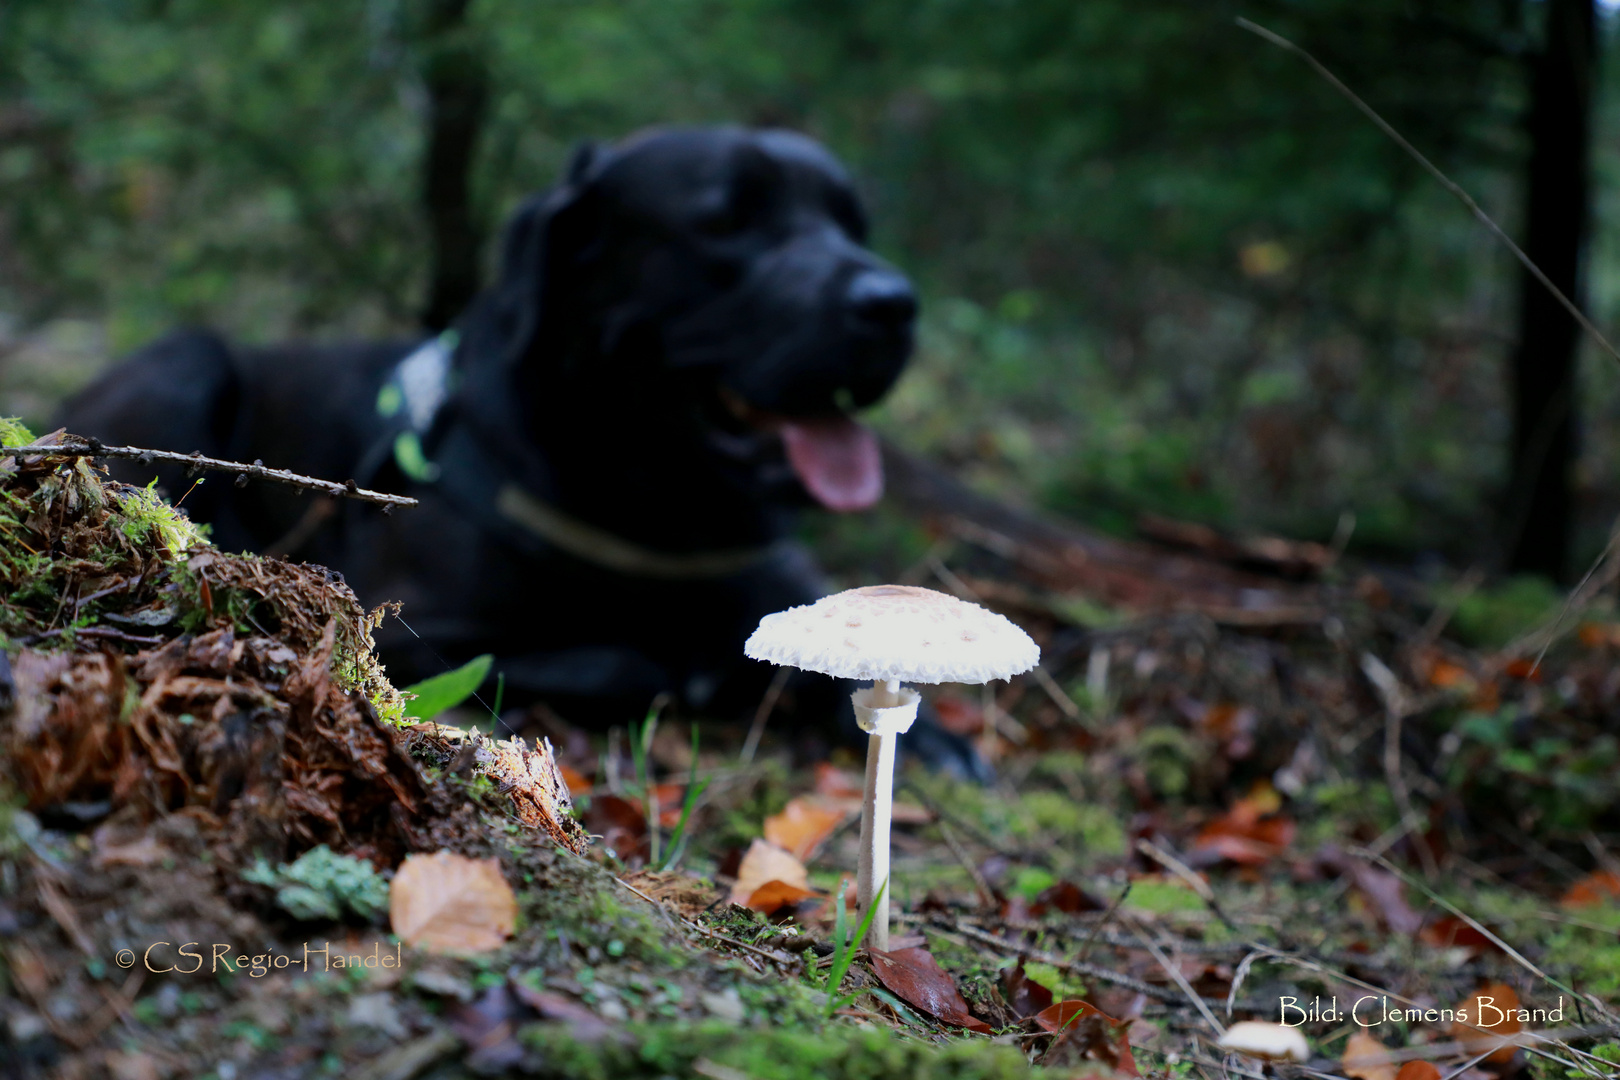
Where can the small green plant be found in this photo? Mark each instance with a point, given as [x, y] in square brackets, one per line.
[843, 954]
[320, 884]
[144, 514]
[433, 696]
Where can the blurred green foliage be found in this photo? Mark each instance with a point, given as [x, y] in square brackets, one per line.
[1492, 616]
[1165, 267]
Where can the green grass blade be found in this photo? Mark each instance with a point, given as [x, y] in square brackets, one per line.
[844, 954]
[435, 695]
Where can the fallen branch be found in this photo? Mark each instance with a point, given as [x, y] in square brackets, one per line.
[196, 461]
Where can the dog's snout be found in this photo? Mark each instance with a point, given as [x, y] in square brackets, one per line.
[881, 299]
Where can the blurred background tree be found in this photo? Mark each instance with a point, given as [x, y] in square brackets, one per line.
[1165, 268]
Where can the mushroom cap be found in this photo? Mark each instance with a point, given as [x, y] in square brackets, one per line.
[1267, 1041]
[895, 632]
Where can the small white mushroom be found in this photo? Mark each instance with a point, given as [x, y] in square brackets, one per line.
[1266, 1041]
[890, 633]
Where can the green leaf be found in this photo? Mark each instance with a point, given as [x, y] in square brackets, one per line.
[435, 695]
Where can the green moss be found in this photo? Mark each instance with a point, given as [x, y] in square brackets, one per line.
[13, 433]
[1095, 826]
[581, 904]
[1163, 897]
[1064, 986]
[145, 517]
[837, 1052]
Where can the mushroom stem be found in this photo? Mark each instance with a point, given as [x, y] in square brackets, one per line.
[877, 812]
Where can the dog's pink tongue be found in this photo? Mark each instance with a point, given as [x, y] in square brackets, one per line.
[837, 459]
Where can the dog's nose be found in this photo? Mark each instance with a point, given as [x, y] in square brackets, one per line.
[881, 299]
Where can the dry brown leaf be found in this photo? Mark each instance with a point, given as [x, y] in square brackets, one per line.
[448, 903]
[1085, 1032]
[804, 825]
[1490, 1013]
[1365, 1058]
[916, 976]
[765, 862]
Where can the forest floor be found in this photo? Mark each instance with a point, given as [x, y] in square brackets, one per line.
[1249, 783]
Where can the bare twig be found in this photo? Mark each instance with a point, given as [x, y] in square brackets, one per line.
[1180, 980]
[1064, 702]
[987, 897]
[1186, 873]
[1397, 706]
[1477, 925]
[255, 471]
[1579, 595]
[1112, 910]
[1101, 974]
[767, 705]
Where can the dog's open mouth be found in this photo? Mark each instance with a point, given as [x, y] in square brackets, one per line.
[836, 459]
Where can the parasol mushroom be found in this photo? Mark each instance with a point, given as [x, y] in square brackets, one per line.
[889, 634]
[1266, 1041]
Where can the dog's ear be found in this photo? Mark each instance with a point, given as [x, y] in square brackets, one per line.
[582, 162]
[541, 233]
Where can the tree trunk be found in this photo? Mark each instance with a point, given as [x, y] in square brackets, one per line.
[1539, 505]
[458, 93]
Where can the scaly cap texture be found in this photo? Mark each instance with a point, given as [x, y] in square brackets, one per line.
[895, 632]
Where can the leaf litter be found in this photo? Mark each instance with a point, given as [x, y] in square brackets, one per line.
[1181, 837]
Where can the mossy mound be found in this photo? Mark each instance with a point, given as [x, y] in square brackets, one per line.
[86, 562]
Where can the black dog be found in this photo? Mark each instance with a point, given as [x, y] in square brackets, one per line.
[608, 445]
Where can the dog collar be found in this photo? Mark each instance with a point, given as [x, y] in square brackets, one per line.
[411, 400]
[593, 545]
[412, 397]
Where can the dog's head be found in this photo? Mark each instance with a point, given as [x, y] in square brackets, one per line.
[727, 269]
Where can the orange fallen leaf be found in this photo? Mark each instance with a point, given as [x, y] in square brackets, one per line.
[803, 825]
[764, 862]
[576, 781]
[1444, 674]
[1490, 1013]
[1595, 634]
[671, 801]
[831, 780]
[1599, 887]
[1418, 1070]
[621, 822]
[1251, 832]
[448, 903]
[958, 715]
[1450, 932]
[1523, 668]
[774, 895]
[1365, 1058]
